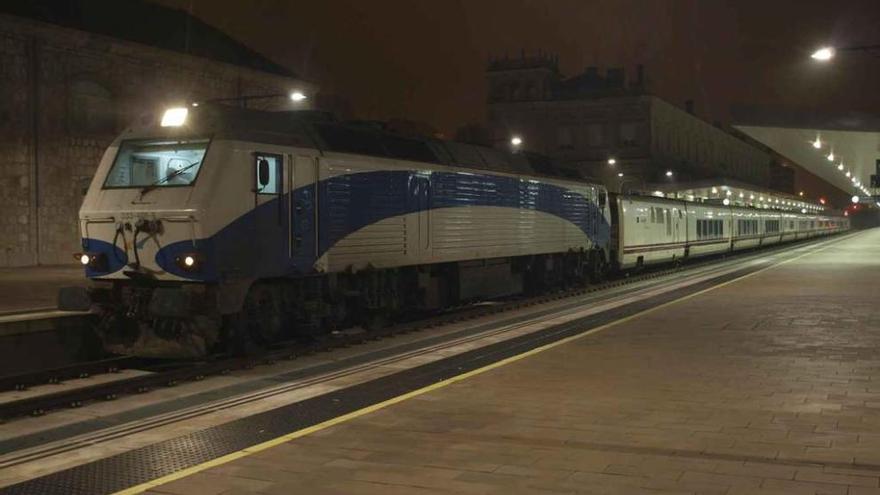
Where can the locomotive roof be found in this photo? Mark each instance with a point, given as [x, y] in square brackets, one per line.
[322, 131]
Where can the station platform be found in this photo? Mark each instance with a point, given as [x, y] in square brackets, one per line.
[768, 384]
[35, 288]
[762, 380]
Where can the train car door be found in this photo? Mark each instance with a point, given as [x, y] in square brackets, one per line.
[269, 236]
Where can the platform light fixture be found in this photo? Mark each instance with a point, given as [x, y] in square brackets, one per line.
[848, 174]
[823, 54]
[516, 141]
[174, 117]
[612, 161]
[840, 166]
[803, 210]
[620, 174]
[669, 173]
[830, 156]
[298, 96]
[725, 202]
[855, 199]
[817, 143]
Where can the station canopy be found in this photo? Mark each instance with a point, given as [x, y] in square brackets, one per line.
[841, 149]
[737, 194]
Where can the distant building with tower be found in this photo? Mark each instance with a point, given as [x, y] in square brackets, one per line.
[603, 126]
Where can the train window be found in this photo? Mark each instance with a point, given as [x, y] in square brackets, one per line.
[660, 219]
[276, 165]
[350, 140]
[699, 229]
[668, 222]
[653, 215]
[409, 149]
[156, 163]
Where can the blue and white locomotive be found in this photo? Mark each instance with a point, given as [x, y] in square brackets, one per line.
[216, 226]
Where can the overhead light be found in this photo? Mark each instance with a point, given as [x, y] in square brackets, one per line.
[516, 140]
[823, 54]
[611, 161]
[620, 174]
[174, 117]
[848, 174]
[801, 193]
[194, 104]
[298, 96]
[751, 196]
[803, 210]
[855, 199]
[840, 167]
[725, 202]
[830, 156]
[669, 173]
[714, 190]
[817, 143]
[741, 195]
[727, 193]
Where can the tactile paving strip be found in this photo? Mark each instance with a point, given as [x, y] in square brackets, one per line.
[147, 463]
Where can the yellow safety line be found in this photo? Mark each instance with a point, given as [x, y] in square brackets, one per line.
[415, 393]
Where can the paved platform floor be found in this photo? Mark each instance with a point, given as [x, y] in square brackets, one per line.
[36, 288]
[767, 385]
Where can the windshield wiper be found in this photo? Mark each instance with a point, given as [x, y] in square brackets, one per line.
[168, 177]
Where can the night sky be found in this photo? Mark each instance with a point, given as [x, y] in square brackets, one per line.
[425, 60]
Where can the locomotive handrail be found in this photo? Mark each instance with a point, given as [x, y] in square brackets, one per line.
[187, 218]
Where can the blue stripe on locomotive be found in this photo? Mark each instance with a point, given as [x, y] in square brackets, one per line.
[255, 245]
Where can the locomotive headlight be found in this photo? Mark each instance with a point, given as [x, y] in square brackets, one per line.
[190, 262]
[95, 261]
[174, 117]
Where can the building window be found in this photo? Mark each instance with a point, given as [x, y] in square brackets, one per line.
[629, 134]
[595, 136]
[563, 138]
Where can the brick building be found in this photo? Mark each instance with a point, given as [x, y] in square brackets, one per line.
[71, 77]
[585, 120]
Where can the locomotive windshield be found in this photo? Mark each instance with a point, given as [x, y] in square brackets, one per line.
[153, 163]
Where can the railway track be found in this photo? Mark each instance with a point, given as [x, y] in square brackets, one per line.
[170, 374]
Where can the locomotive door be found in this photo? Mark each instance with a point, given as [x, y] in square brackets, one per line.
[303, 194]
[269, 227]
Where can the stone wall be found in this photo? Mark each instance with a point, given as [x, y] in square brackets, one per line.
[64, 96]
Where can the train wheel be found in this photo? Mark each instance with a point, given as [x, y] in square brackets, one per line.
[260, 323]
[265, 314]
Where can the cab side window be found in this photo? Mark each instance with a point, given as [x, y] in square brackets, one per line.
[271, 183]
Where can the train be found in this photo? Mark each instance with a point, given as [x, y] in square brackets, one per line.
[220, 229]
